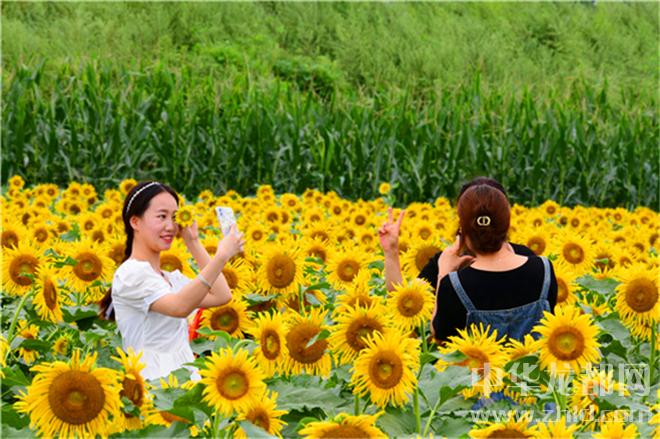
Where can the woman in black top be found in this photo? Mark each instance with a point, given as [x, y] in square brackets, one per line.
[502, 275]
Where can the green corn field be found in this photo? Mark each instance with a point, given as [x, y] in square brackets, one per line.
[109, 123]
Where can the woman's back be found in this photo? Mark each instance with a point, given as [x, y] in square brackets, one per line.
[490, 291]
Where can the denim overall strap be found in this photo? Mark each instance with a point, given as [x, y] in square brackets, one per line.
[546, 279]
[460, 292]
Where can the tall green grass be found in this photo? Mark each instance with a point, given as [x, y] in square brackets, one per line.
[101, 124]
[364, 47]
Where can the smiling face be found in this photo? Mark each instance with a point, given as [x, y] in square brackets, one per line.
[156, 228]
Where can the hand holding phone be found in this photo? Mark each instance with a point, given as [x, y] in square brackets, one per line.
[226, 218]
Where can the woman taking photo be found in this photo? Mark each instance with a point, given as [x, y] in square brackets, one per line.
[151, 306]
[481, 277]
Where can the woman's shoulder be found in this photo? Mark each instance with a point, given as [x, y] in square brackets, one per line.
[133, 271]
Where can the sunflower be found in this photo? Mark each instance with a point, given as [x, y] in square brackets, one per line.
[62, 345]
[516, 349]
[238, 275]
[344, 425]
[291, 202]
[231, 317]
[637, 299]
[16, 182]
[566, 284]
[268, 330]
[313, 359]
[263, 414]
[575, 250]
[19, 267]
[344, 267]
[353, 326]
[116, 250]
[386, 368]
[554, 429]
[384, 188]
[592, 384]
[12, 232]
[617, 430]
[176, 258]
[185, 216]
[418, 255]
[568, 341]
[133, 385]
[357, 294]
[4, 348]
[281, 269]
[515, 426]
[126, 185]
[232, 381]
[92, 269]
[72, 400]
[49, 297]
[28, 332]
[536, 238]
[411, 304]
[317, 248]
[485, 355]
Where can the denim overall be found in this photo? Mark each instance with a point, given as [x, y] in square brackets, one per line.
[511, 322]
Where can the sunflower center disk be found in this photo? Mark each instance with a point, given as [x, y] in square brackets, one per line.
[566, 344]
[281, 270]
[133, 390]
[345, 432]
[20, 267]
[50, 295]
[357, 332]
[88, 268]
[233, 384]
[424, 255]
[507, 433]
[76, 397]
[9, 239]
[562, 290]
[170, 263]
[641, 295]
[347, 270]
[296, 342]
[270, 344]
[386, 369]
[410, 304]
[260, 418]
[231, 278]
[225, 320]
[573, 253]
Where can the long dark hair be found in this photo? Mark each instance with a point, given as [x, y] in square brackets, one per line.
[135, 204]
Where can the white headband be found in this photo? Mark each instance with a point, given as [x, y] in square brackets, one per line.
[128, 206]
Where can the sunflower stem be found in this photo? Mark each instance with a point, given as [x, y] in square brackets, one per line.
[431, 415]
[356, 410]
[14, 320]
[301, 301]
[422, 333]
[418, 418]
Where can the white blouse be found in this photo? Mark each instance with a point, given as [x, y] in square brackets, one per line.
[162, 339]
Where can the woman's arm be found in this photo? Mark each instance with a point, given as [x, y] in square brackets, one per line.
[220, 293]
[389, 241]
[192, 296]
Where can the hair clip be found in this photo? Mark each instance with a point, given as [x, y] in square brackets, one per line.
[483, 221]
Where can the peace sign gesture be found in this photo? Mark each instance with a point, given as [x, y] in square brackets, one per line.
[389, 232]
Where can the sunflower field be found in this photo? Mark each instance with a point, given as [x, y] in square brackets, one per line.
[312, 344]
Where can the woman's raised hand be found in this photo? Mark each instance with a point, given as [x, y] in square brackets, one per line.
[189, 234]
[232, 244]
[450, 260]
[389, 232]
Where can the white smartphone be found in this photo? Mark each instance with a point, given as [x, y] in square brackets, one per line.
[226, 218]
